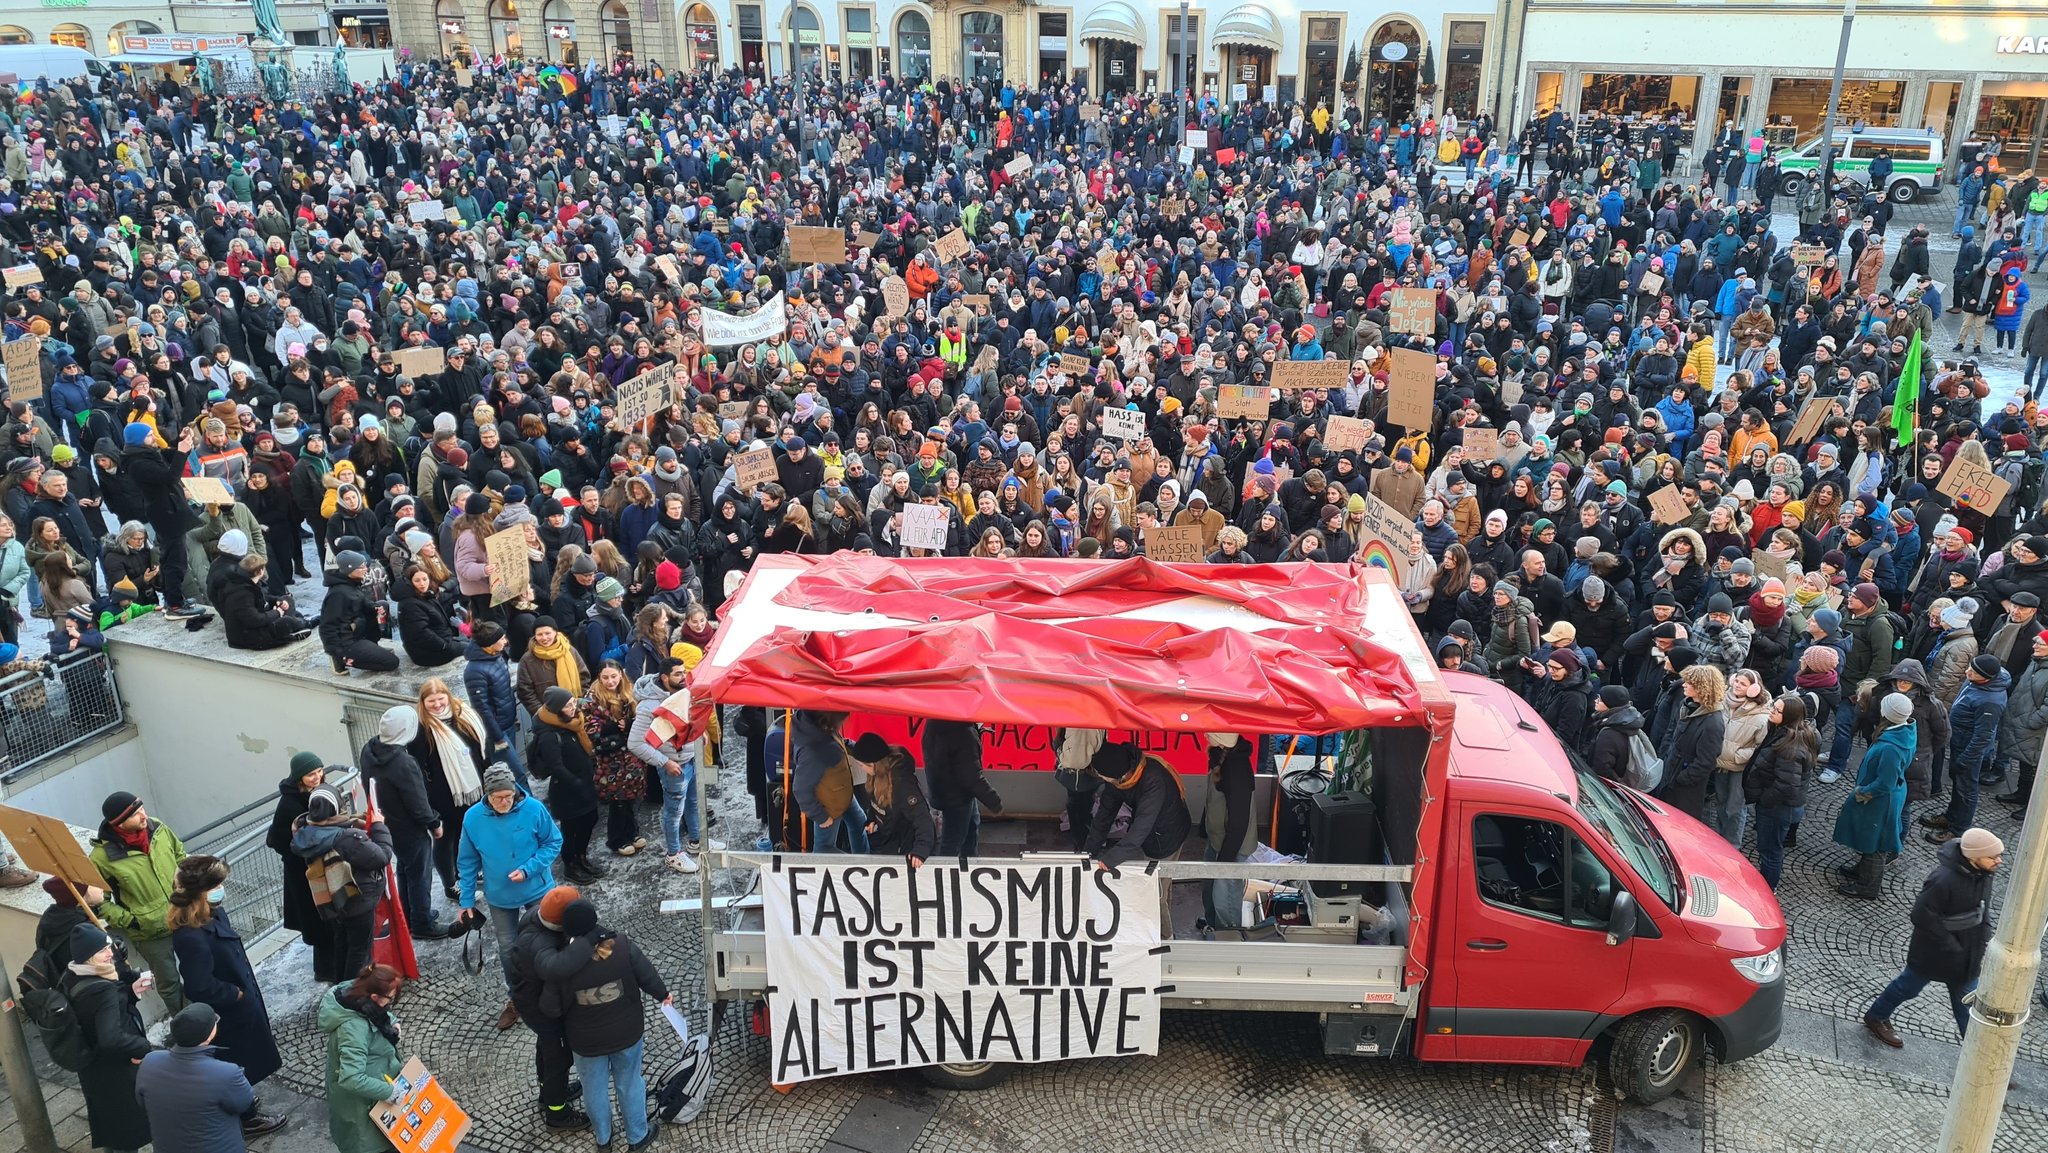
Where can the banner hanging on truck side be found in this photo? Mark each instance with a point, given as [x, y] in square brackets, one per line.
[882, 966]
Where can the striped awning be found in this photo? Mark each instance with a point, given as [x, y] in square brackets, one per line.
[1251, 25]
[1114, 20]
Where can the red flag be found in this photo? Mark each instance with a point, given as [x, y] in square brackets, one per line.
[390, 939]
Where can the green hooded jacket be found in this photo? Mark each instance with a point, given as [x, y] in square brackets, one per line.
[138, 884]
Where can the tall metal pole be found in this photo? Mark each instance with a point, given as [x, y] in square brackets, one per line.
[1825, 173]
[20, 1070]
[1183, 82]
[2004, 992]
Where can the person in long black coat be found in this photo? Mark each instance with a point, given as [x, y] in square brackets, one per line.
[216, 969]
[300, 915]
[561, 754]
[105, 1004]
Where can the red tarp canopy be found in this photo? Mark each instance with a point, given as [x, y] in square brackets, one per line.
[1296, 648]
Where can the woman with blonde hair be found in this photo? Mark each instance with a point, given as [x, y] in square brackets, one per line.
[1748, 718]
[621, 776]
[450, 749]
[1693, 750]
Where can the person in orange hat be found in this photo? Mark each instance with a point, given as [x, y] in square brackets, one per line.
[536, 954]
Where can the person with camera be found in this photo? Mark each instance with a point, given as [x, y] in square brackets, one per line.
[509, 846]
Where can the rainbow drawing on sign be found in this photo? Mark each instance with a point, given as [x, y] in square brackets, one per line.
[1378, 554]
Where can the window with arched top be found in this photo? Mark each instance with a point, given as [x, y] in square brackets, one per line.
[913, 46]
[448, 23]
[809, 35]
[558, 26]
[700, 36]
[117, 37]
[71, 36]
[505, 37]
[618, 31]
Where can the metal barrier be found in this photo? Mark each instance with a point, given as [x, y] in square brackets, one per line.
[255, 885]
[47, 707]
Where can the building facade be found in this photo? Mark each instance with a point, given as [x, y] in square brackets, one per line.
[103, 27]
[1439, 54]
[99, 28]
[1959, 74]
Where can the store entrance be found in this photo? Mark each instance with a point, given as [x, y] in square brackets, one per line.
[2012, 119]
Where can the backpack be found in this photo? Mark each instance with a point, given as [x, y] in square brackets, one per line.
[335, 884]
[1645, 767]
[1899, 629]
[47, 1007]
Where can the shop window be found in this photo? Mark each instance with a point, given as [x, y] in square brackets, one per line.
[1391, 80]
[810, 41]
[1181, 71]
[15, 34]
[860, 43]
[700, 29]
[560, 28]
[618, 32]
[913, 46]
[748, 20]
[71, 36]
[1052, 48]
[981, 47]
[448, 22]
[1464, 61]
[505, 29]
[1865, 103]
[1627, 93]
[1321, 35]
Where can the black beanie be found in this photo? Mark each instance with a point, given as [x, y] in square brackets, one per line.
[579, 919]
[477, 505]
[1614, 696]
[119, 807]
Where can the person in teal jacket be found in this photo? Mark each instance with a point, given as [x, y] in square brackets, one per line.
[1870, 819]
[509, 846]
[362, 1057]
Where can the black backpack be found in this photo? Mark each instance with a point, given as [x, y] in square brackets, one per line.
[44, 1003]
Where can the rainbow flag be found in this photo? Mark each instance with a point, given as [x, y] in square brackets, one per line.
[566, 80]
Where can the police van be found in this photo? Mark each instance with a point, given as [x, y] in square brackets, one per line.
[1917, 161]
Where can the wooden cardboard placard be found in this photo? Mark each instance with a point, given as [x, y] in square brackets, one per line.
[505, 554]
[953, 246]
[1973, 486]
[817, 245]
[867, 239]
[895, 296]
[1017, 167]
[1174, 545]
[1667, 505]
[421, 211]
[425, 360]
[47, 845]
[208, 490]
[464, 78]
[1074, 364]
[1243, 400]
[1344, 434]
[1386, 525]
[974, 300]
[1812, 415]
[1311, 373]
[1536, 237]
[1125, 424]
[21, 275]
[1650, 285]
[1482, 443]
[924, 526]
[1518, 238]
[1769, 564]
[754, 468]
[734, 409]
[1412, 311]
[1091, 111]
[1411, 389]
[426, 1119]
[1808, 255]
[645, 395]
[669, 268]
[24, 361]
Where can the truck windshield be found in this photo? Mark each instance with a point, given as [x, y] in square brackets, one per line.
[1630, 834]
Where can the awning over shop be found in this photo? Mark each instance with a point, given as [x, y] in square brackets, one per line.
[150, 58]
[1251, 25]
[1114, 20]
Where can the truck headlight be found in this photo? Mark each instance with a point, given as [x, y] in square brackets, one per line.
[1762, 968]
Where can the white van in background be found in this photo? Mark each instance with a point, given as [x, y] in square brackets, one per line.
[24, 64]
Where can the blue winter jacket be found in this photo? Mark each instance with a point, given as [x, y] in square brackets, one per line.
[488, 681]
[1973, 719]
[495, 845]
[194, 1098]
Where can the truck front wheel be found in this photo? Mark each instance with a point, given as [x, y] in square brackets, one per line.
[975, 1075]
[1651, 1052]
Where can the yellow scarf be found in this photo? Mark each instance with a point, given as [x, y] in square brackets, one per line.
[564, 656]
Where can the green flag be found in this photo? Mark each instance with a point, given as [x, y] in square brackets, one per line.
[1906, 404]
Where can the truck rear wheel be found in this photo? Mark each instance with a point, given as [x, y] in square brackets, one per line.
[1651, 1052]
[1790, 185]
[975, 1075]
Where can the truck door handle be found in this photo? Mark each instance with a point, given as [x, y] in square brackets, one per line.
[1486, 944]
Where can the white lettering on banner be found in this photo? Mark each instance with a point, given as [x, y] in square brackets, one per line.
[881, 966]
[721, 328]
[2022, 45]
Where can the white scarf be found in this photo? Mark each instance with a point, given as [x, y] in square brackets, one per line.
[463, 779]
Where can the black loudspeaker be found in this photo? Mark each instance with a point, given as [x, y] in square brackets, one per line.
[1343, 829]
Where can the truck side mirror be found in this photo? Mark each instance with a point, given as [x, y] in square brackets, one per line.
[1621, 919]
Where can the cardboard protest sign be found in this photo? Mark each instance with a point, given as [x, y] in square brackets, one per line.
[1536, 238]
[734, 410]
[208, 490]
[1411, 389]
[1124, 424]
[867, 239]
[1812, 415]
[953, 246]
[895, 296]
[1311, 373]
[422, 211]
[924, 526]
[426, 1119]
[1243, 401]
[941, 994]
[24, 361]
[1650, 285]
[1344, 434]
[1074, 364]
[817, 245]
[1973, 486]
[1018, 167]
[1517, 238]
[1808, 255]
[1769, 564]
[645, 395]
[464, 78]
[1091, 111]
[1386, 533]
[974, 300]
[754, 468]
[426, 360]
[1174, 545]
[1482, 443]
[505, 554]
[1412, 311]
[1667, 505]
[21, 275]
[47, 845]
[670, 270]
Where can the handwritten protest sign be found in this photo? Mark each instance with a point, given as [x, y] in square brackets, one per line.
[952, 246]
[867, 239]
[1412, 311]
[1074, 364]
[645, 395]
[1973, 486]
[670, 270]
[817, 245]
[425, 360]
[936, 986]
[1243, 401]
[1482, 443]
[1650, 285]
[1808, 255]
[1018, 167]
[1311, 373]
[895, 296]
[24, 361]
[505, 555]
[1174, 545]
[210, 490]
[734, 410]
[924, 526]
[21, 275]
[1344, 434]
[1386, 536]
[1769, 564]
[1411, 389]
[754, 468]
[422, 211]
[1667, 505]
[1518, 238]
[425, 1119]
[1124, 424]
[464, 78]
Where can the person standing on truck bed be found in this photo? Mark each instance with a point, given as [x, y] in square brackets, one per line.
[952, 764]
[1159, 807]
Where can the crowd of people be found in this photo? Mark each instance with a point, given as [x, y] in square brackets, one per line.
[396, 322]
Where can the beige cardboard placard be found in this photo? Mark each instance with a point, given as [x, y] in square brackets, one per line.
[867, 239]
[1769, 564]
[1973, 486]
[1344, 434]
[1091, 111]
[21, 275]
[1482, 443]
[975, 300]
[1018, 167]
[734, 409]
[24, 360]
[426, 360]
[1243, 400]
[1311, 373]
[505, 554]
[1174, 545]
[1651, 284]
[895, 296]
[1411, 389]
[1536, 237]
[421, 211]
[1667, 505]
[1412, 311]
[669, 268]
[464, 78]
[953, 246]
[1812, 415]
[1518, 238]
[1385, 524]
[1808, 255]
[645, 395]
[210, 490]
[47, 845]
[817, 245]
[754, 468]
[1074, 364]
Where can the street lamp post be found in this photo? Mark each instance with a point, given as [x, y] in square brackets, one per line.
[1825, 173]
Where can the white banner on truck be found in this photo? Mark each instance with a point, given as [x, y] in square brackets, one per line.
[722, 329]
[875, 965]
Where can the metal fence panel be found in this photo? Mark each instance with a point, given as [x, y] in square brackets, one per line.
[47, 707]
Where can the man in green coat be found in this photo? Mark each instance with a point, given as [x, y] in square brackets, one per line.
[139, 858]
